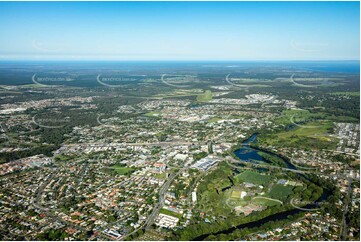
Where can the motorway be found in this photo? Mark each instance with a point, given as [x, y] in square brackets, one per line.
[162, 144]
[298, 84]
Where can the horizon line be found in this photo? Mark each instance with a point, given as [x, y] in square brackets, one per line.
[171, 60]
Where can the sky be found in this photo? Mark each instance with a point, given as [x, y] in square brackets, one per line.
[180, 31]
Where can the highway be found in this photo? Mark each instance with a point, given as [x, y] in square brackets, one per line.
[162, 144]
[298, 84]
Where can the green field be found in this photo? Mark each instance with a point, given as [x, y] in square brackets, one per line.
[265, 202]
[179, 93]
[236, 193]
[205, 97]
[297, 116]
[310, 130]
[152, 114]
[352, 94]
[214, 119]
[315, 134]
[253, 177]
[304, 117]
[314, 129]
[160, 176]
[170, 213]
[61, 157]
[280, 192]
[122, 170]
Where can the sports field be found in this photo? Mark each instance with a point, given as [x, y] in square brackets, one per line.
[253, 177]
[280, 192]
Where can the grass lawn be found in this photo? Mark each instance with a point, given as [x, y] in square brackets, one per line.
[297, 115]
[315, 134]
[236, 194]
[170, 213]
[214, 119]
[253, 177]
[265, 202]
[345, 119]
[152, 114]
[205, 97]
[352, 94]
[309, 129]
[315, 130]
[160, 176]
[280, 192]
[122, 170]
[179, 93]
[62, 157]
[305, 116]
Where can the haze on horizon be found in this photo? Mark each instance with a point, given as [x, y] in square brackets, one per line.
[180, 31]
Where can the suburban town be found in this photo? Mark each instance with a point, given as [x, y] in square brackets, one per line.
[180, 120]
[143, 176]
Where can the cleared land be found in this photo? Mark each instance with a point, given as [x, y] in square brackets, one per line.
[307, 129]
[205, 97]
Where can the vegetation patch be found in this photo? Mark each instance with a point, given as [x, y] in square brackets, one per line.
[160, 176]
[152, 114]
[236, 193]
[352, 94]
[265, 202]
[122, 170]
[280, 192]
[315, 134]
[170, 213]
[205, 97]
[253, 177]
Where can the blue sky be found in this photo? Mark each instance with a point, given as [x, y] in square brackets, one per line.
[179, 31]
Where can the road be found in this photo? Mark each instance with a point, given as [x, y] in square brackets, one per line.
[160, 204]
[280, 168]
[342, 152]
[268, 198]
[344, 220]
[298, 84]
[46, 210]
[264, 166]
[192, 188]
[162, 144]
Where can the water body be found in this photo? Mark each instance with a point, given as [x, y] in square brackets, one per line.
[250, 154]
[226, 188]
[245, 153]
